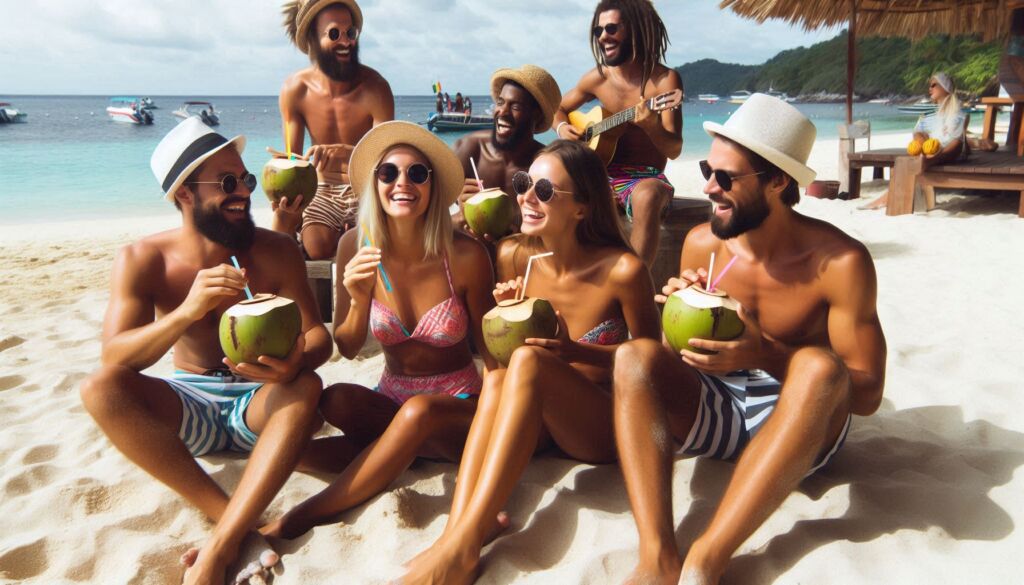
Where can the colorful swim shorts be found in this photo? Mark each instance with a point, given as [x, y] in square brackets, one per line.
[625, 178]
[732, 409]
[213, 412]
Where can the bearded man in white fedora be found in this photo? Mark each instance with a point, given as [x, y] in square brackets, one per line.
[778, 399]
[168, 291]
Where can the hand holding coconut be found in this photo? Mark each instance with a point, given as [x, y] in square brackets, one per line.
[331, 158]
[504, 291]
[561, 344]
[361, 275]
[751, 350]
[209, 289]
[272, 370]
[687, 279]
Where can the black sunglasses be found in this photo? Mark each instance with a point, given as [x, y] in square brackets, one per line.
[521, 183]
[611, 28]
[723, 178]
[229, 183]
[351, 32]
[387, 173]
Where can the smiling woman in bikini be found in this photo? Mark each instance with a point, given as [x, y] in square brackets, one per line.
[555, 392]
[440, 287]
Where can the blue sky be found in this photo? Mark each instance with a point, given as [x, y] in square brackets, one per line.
[238, 47]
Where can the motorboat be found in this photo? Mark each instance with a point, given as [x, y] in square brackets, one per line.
[739, 97]
[204, 110]
[147, 103]
[779, 94]
[924, 106]
[455, 122]
[129, 110]
[9, 115]
[708, 98]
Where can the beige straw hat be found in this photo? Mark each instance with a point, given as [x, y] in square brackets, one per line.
[539, 83]
[446, 169]
[299, 15]
[773, 129]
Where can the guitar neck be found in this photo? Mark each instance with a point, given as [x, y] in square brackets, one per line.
[618, 119]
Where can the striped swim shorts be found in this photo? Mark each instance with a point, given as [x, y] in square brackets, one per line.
[624, 179]
[213, 412]
[732, 409]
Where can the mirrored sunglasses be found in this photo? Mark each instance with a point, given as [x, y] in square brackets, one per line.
[521, 183]
[334, 33]
[387, 173]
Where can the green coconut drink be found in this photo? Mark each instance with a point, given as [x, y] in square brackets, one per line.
[263, 325]
[283, 177]
[508, 325]
[693, 312]
[490, 212]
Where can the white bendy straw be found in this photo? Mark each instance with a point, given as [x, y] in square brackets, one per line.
[529, 264]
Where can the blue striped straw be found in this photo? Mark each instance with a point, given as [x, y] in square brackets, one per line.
[248, 293]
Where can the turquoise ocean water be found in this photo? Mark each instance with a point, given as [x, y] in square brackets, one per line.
[70, 161]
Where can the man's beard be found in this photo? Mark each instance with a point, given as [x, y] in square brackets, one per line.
[520, 132]
[744, 218]
[625, 54]
[218, 229]
[328, 62]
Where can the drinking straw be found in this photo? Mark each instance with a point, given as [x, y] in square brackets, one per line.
[479, 183]
[248, 293]
[711, 268]
[383, 273]
[724, 270]
[529, 264]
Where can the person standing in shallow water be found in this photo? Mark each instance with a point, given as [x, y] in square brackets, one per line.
[336, 100]
[168, 291]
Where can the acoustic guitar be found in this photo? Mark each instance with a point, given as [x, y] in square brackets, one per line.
[601, 130]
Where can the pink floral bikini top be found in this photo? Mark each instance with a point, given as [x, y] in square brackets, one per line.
[444, 325]
[611, 332]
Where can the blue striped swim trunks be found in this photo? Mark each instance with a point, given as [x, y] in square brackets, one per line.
[732, 409]
[213, 412]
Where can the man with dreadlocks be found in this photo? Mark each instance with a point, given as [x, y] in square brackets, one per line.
[337, 100]
[629, 42]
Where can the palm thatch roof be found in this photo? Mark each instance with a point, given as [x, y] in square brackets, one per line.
[903, 18]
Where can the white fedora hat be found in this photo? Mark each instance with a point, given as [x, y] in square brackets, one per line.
[773, 129]
[184, 148]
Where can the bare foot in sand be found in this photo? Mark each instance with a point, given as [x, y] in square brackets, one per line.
[877, 203]
[286, 527]
[694, 577]
[666, 573]
[442, 565]
[252, 566]
[501, 524]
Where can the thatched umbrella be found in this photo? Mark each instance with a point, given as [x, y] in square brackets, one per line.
[904, 18]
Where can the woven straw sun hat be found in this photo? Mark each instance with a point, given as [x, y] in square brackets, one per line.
[183, 149]
[446, 170]
[301, 14]
[773, 129]
[539, 83]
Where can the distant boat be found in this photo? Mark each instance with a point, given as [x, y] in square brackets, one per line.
[708, 98]
[883, 101]
[455, 122]
[926, 106]
[204, 110]
[778, 94]
[739, 97]
[147, 103]
[128, 110]
[9, 115]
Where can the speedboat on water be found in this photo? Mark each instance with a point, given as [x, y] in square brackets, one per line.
[455, 122]
[128, 110]
[204, 110]
[147, 104]
[9, 115]
[708, 98]
[739, 97]
[779, 94]
[924, 106]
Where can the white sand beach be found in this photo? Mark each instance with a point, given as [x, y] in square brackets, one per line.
[928, 490]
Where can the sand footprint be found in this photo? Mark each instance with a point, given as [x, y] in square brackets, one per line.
[40, 454]
[9, 342]
[25, 561]
[8, 382]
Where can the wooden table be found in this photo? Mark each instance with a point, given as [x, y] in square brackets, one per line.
[883, 157]
[1001, 170]
[1014, 137]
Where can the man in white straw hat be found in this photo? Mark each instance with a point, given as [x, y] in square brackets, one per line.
[779, 397]
[337, 100]
[629, 40]
[525, 101]
[168, 292]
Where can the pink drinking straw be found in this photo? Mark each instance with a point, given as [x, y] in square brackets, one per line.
[722, 273]
[479, 183]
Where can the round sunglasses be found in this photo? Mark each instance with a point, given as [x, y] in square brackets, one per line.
[334, 33]
[723, 178]
[229, 183]
[611, 28]
[521, 183]
[387, 173]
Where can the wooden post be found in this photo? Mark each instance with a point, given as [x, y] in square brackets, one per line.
[851, 60]
[903, 185]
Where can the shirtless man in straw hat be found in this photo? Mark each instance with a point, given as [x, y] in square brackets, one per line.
[168, 291]
[779, 398]
[337, 100]
[525, 102]
[628, 40]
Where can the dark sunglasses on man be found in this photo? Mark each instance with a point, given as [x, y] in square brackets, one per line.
[521, 183]
[723, 178]
[387, 173]
[611, 28]
[229, 183]
[334, 33]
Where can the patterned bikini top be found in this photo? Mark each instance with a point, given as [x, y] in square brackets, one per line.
[610, 332]
[444, 325]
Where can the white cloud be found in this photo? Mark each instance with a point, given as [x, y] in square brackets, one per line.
[212, 47]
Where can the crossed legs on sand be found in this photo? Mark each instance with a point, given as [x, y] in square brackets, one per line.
[141, 417]
[656, 398]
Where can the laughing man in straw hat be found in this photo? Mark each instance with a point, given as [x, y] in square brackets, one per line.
[525, 102]
[169, 291]
[778, 398]
[628, 40]
[337, 100]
